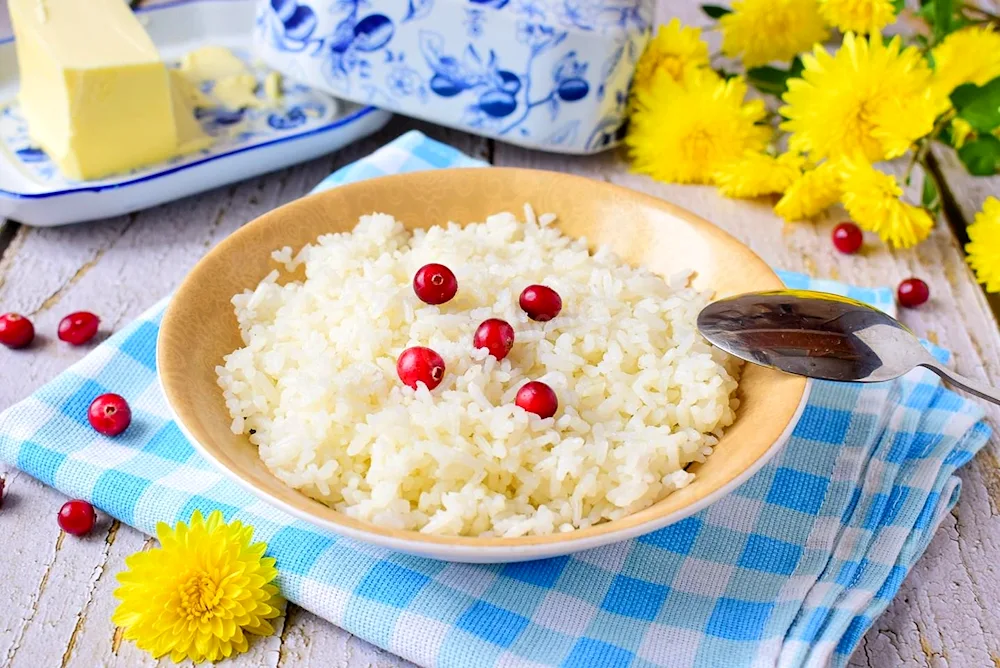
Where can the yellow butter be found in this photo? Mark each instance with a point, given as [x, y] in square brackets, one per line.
[189, 91]
[189, 134]
[272, 87]
[237, 92]
[211, 62]
[96, 95]
[233, 86]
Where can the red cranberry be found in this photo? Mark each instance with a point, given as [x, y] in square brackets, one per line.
[1, 491]
[78, 328]
[435, 284]
[847, 237]
[913, 292]
[109, 414]
[420, 365]
[538, 398]
[496, 335]
[77, 517]
[540, 302]
[16, 331]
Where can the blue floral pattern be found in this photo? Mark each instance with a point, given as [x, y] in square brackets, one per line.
[301, 109]
[545, 73]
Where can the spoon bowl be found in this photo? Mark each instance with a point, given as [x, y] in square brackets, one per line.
[823, 336]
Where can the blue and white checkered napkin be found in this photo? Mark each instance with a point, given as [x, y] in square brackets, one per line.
[789, 570]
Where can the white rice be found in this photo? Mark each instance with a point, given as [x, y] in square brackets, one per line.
[641, 394]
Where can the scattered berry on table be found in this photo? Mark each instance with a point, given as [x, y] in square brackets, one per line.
[496, 335]
[435, 284]
[538, 398]
[848, 238]
[540, 302]
[913, 292]
[109, 414]
[16, 331]
[420, 365]
[78, 328]
[77, 517]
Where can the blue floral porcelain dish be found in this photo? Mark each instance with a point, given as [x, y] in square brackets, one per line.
[548, 74]
[306, 123]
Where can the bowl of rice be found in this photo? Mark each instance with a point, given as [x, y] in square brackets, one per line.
[280, 356]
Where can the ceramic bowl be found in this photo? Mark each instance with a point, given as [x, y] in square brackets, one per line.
[199, 328]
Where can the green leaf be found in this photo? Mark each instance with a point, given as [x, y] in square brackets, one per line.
[715, 11]
[979, 105]
[795, 71]
[770, 80]
[930, 199]
[898, 6]
[942, 18]
[982, 156]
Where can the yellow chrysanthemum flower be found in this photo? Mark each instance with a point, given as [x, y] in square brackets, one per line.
[812, 193]
[970, 55]
[872, 198]
[869, 98]
[675, 50]
[760, 31]
[755, 174]
[682, 134]
[861, 16]
[984, 245]
[199, 593]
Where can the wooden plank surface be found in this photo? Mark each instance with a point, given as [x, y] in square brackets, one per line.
[59, 589]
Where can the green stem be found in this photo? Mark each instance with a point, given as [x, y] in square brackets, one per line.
[918, 156]
[924, 145]
[938, 184]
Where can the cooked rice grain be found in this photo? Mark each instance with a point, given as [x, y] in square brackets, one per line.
[641, 394]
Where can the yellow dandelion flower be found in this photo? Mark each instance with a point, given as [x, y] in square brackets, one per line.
[681, 134]
[869, 98]
[675, 50]
[862, 16]
[970, 55]
[872, 198]
[200, 593]
[755, 174]
[960, 132]
[984, 245]
[810, 194]
[760, 31]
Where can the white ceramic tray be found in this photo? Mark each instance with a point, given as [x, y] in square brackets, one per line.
[308, 124]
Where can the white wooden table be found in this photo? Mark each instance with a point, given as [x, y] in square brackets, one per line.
[57, 590]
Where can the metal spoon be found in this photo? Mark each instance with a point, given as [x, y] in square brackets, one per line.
[820, 335]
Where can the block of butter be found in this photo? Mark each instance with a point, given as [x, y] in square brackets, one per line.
[97, 97]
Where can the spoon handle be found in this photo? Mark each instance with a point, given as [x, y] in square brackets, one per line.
[981, 390]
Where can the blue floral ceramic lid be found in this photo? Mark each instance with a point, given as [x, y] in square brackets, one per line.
[550, 74]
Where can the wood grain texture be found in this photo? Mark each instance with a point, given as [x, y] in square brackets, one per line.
[58, 590]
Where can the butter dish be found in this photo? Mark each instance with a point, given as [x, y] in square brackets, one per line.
[255, 139]
[546, 74]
